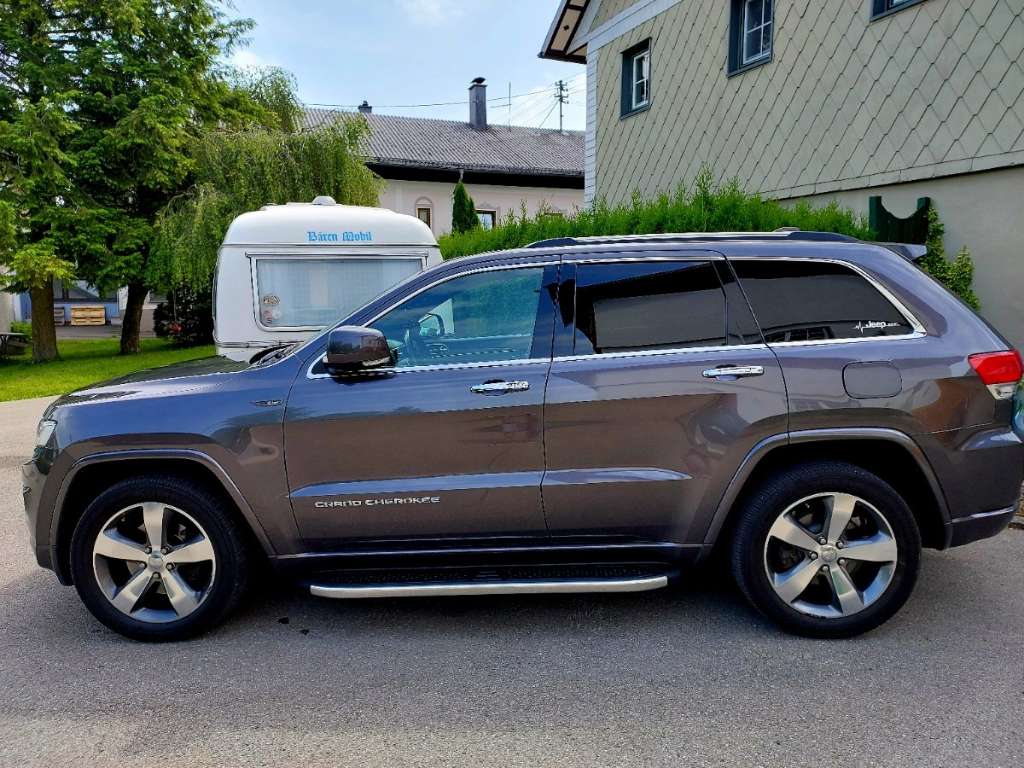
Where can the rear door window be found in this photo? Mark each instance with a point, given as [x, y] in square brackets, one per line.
[816, 301]
[648, 305]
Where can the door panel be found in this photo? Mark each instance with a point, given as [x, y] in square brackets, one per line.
[633, 444]
[416, 454]
[637, 439]
[448, 445]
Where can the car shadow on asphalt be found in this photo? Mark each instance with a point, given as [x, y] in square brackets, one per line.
[704, 609]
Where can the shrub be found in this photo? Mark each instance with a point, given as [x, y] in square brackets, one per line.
[464, 218]
[23, 327]
[957, 275]
[707, 208]
[186, 317]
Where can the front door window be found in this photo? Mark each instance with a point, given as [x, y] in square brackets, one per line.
[476, 318]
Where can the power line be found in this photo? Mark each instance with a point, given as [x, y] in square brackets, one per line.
[549, 114]
[432, 104]
[497, 99]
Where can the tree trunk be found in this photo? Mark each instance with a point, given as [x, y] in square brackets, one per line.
[44, 334]
[131, 322]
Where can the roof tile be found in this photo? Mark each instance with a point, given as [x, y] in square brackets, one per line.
[427, 143]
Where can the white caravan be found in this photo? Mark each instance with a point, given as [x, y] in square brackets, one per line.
[286, 271]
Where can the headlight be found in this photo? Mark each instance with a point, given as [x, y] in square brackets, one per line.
[44, 432]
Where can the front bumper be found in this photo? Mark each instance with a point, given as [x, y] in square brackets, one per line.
[983, 525]
[34, 475]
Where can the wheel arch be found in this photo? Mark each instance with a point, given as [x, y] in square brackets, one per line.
[892, 455]
[96, 473]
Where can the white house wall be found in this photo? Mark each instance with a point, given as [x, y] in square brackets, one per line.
[980, 211]
[406, 196]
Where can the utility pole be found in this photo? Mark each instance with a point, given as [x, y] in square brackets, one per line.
[562, 94]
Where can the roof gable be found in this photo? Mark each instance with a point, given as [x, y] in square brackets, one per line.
[559, 41]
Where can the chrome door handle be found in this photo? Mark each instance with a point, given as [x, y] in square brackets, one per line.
[733, 371]
[499, 387]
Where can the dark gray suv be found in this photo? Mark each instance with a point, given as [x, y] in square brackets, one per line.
[592, 415]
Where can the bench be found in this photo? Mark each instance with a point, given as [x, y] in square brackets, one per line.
[12, 344]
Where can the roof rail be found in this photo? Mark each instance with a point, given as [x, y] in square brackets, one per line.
[787, 233]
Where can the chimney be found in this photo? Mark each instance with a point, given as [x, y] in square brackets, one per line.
[478, 104]
[365, 107]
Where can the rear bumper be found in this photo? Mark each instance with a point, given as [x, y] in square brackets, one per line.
[964, 530]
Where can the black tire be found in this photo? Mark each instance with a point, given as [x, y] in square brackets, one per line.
[774, 496]
[229, 580]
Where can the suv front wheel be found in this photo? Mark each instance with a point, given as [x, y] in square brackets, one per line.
[826, 549]
[158, 558]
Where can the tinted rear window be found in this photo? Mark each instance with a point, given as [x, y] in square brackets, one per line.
[816, 301]
[632, 306]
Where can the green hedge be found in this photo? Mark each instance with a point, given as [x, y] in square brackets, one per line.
[707, 208]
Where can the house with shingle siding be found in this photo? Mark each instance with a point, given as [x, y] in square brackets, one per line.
[503, 167]
[830, 100]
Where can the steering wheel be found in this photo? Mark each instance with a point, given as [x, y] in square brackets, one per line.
[416, 350]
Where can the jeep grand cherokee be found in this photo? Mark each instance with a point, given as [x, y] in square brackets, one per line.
[581, 415]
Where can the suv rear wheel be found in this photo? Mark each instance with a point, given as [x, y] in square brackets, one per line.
[158, 559]
[826, 549]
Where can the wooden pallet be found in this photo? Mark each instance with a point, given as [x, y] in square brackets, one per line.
[88, 315]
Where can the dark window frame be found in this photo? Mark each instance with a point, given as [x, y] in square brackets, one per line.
[492, 212]
[626, 108]
[737, 32]
[881, 9]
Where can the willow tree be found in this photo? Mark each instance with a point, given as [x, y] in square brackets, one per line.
[237, 172]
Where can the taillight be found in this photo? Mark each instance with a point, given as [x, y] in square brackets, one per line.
[1001, 371]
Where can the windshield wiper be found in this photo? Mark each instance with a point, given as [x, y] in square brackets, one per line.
[270, 354]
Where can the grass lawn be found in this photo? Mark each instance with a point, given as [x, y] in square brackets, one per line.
[84, 362]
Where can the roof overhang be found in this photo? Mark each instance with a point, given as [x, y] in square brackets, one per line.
[559, 44]
[503, 177]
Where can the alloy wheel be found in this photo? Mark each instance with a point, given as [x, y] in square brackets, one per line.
[154, 562]
[830, 555]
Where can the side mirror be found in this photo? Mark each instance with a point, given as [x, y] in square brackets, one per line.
[352, 349]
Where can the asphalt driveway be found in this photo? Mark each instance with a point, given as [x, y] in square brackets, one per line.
[685, 678]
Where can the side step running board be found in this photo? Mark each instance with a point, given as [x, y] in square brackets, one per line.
[351, 591]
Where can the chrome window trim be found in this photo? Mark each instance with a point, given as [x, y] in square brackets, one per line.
[689, 256]
[919, 330]
[824, 342]
[428, 286]
[658, 352]
[438, 367]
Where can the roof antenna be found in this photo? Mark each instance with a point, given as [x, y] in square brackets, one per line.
[508, 120]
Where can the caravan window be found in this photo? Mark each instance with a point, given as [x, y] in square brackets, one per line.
[313, 293]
